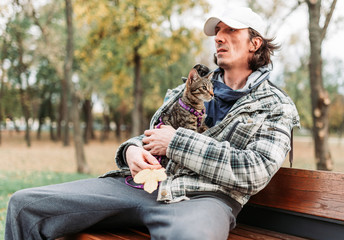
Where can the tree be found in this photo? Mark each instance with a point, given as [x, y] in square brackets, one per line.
[47, 18]
[124, 36]
[297, 86]
[68, 71]
[319, 96]
[49, 89]
[320, 100]
[3, 54]
[21, 59]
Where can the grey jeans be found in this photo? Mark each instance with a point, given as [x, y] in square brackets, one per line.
[52, 211]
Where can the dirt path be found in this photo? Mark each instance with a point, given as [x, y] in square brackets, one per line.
[45, 155]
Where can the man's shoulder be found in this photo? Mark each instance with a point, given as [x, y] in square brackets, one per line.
[172, 92]
[280, 101]
[267, 88]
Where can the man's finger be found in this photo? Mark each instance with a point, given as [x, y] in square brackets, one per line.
[150, 158]
[148, 132]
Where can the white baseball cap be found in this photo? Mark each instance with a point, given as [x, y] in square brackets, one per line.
[237, 18]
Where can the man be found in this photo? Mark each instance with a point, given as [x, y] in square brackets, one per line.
[210, 175]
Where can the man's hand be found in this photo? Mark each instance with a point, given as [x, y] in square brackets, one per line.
[157, 140]
[139, 159]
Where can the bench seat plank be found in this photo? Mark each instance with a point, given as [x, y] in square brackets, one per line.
[125, 234]
[250, 232]
[241, 232]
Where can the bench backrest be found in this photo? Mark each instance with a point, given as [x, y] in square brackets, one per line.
[301, 202]
[316, 193]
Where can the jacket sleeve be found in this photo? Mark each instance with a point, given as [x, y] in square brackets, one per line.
[170, 96]
[120, 153]
[246, 161]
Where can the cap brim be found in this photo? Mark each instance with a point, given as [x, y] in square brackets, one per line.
[210, 24]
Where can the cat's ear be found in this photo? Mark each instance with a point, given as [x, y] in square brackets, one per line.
[210, 75]
[193, 76]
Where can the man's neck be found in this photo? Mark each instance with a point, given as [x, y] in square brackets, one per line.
[236, 78]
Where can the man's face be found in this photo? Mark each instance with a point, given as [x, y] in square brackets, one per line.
[233, 47]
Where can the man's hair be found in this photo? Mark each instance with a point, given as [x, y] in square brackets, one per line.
[262, 56]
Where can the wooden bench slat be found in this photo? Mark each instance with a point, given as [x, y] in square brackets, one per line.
[259, 233]
[317, 193]
[124, 234]
[234, 236]
[250, 235]
[241, 232]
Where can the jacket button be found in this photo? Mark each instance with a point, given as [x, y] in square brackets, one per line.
[250, 120]
[164, 193]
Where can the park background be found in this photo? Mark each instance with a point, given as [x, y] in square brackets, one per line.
[79, 77]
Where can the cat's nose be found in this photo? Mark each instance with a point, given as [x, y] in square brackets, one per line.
[211, 93]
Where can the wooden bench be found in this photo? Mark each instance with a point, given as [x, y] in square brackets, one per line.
[296, 204]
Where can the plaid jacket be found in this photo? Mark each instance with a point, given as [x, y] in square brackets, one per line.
[236, 157]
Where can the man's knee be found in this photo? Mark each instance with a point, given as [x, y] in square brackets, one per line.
[20, 200]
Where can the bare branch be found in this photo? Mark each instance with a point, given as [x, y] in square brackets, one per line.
[328, 19]
[291, 11]
[35, 19]
[282, 19]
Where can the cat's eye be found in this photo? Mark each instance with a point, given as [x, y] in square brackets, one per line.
[204, 88]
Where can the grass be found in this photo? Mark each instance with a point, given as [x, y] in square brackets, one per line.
[45, 163]
[13, 181]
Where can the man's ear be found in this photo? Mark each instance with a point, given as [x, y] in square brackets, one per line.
[256, 42]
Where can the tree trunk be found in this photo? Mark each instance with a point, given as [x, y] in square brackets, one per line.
[81, 163]
[64, 112]
[2, 82]
[24, 94]
[106, 127]
[51, 114]
[26, 111]
[1, 96]
[88, 131]
[2, 77]
[137, 114]
[68, 68]
[39, 130]
[319, 96]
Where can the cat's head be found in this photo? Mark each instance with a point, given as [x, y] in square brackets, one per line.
[200, 87]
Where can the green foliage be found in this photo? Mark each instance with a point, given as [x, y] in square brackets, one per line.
[111, 33]
[298, 88]
[11, 182]
[106, 36]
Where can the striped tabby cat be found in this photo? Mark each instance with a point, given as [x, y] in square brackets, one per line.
[189, 111]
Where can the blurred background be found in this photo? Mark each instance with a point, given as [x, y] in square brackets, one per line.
[79, 77]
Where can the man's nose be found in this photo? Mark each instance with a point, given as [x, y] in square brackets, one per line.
[219, 37]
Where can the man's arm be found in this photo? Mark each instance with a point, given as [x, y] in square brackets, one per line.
[246, 169]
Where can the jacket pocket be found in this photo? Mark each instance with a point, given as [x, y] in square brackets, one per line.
[280, 130]
[241, 133]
